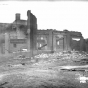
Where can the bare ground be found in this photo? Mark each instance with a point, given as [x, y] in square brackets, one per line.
[39, 73]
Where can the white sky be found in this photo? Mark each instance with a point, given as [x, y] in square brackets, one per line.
[71, 15]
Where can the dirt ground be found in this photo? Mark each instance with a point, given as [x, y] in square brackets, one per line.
[37, 73]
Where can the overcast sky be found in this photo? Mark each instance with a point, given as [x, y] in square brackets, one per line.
[60, 15]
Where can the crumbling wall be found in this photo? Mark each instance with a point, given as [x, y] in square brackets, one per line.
[32, 27]
[77, 41]
[86, 44]
[75, 44]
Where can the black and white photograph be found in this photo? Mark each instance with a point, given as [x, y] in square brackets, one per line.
[43, 43]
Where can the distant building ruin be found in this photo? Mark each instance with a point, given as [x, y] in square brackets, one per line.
[60, 40]
[23, 34]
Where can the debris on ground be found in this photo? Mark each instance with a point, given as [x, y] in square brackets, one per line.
[44, 70]
[72, 56]
[64, 55]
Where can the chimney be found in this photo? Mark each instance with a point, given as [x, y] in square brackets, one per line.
[17, 16]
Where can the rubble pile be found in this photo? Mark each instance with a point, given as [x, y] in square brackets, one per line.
[73, 55]
[61, 58]
[64, 57]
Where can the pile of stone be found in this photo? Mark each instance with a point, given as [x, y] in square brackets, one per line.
[64, 55]
[54, 57]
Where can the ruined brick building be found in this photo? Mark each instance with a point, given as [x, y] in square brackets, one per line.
[61, 40]
[23, 34]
